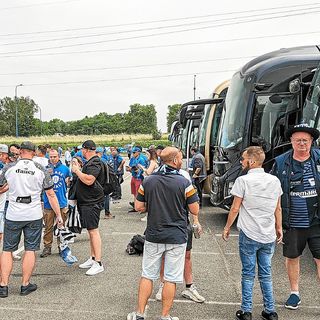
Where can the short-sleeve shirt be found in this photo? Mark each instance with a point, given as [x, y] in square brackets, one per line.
[26, 180]
[2, 198]
[167, 195]
[303, 194]
[94, 193]
[59, 174]
[117, 160]
[260, 192]
[134, 162]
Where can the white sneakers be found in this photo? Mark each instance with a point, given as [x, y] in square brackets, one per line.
[189, 293]
[95, 269]
[86, 265]
[193, 294]
[93, 266]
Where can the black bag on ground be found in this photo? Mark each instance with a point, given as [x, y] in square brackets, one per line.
[135, 245]
[111, 181]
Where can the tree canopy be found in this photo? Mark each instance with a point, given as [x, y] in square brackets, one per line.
[173, 110]
[139, 119]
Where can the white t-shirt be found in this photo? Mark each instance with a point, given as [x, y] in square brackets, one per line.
[2, 199]
[260, 192]
[41, 160]
[67, 156]
[26, 180]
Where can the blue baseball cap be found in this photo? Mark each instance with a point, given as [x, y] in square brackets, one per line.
[136, 149]
[99, 149]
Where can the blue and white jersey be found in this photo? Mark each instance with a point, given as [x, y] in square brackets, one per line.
[117, 160]
[303, 194]
[59, 174]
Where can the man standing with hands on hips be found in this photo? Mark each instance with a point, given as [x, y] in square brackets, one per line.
[257, 200]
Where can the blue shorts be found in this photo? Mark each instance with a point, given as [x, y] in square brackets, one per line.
[174, 257]
[32, 231]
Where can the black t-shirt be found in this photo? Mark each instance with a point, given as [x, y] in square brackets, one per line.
[94, 193]
[167, 194]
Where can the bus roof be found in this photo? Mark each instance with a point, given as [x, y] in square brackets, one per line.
[282, 57]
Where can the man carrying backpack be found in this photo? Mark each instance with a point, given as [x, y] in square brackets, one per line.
[90, 201]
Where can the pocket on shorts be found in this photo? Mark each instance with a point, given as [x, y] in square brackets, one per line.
[178, 249]
[151, 248]
[35, 225]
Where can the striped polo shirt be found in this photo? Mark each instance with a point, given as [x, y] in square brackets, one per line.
[303, 194]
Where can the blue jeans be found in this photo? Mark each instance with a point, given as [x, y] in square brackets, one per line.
[252, 252]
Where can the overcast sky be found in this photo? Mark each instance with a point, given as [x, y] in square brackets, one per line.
[82, 57]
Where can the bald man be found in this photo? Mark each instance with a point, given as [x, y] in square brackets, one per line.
[167, 196]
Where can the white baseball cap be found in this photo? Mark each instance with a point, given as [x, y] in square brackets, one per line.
[4, 148]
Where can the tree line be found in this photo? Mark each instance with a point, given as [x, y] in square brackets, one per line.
[139, 119]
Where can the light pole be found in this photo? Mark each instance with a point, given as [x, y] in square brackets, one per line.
[16, 101]
[40, 112]
[194, 87]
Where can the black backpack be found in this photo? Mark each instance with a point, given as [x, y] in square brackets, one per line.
[111, 181]
[135, 245]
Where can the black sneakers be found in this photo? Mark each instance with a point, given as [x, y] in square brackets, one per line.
[269, 316]
[25, 290]
[3, 291]
[240, 315]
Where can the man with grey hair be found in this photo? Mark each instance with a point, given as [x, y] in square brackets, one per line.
[299, 173]
[26, 180]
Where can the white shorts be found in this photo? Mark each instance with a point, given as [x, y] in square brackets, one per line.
[174, 255]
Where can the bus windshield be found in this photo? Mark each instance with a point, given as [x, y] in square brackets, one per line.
[311, 110]
[235, 114]
[268, 116]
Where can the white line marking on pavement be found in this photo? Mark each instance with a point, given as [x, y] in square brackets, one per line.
[57, 310]
[211, 253]
[231, 235]
[121, 233]
[224, 303]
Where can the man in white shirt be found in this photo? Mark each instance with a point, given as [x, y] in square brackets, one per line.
[26, 180]
[67, 157]
[41, 156]
[257, 200]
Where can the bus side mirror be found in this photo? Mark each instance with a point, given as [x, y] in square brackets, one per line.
[294, 86]
[275, 98]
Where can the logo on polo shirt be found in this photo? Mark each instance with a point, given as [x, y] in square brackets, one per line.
[25, 171]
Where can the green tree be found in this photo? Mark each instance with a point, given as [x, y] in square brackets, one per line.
[173, 111]
[141, 119]
[26, 109]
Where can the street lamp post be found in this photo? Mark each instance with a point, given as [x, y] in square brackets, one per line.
[40, 113]
[194, 87]
[16, 101]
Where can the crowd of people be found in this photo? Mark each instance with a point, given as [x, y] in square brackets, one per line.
[39, 191]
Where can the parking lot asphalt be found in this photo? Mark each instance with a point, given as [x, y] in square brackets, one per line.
[67, 293]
